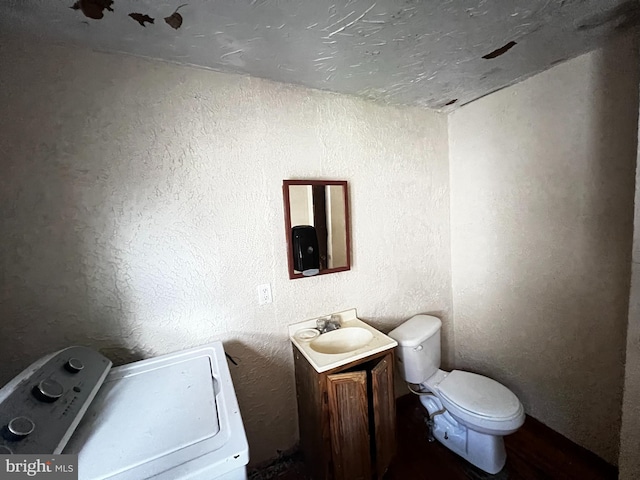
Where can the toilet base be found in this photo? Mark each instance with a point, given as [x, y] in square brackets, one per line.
[485, 451]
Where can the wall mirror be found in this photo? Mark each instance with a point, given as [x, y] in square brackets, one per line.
[316, 217]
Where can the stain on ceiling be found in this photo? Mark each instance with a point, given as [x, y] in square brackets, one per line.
[432, 53]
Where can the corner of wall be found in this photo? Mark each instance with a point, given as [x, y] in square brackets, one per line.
[453, 360]
[628, 460]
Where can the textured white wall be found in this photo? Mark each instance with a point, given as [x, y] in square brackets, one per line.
[542, 181]
[629, 460]
[141, 205]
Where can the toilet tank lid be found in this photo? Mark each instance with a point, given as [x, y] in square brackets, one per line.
[415, 330]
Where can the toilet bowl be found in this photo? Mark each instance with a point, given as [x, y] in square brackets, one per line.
[469, 413]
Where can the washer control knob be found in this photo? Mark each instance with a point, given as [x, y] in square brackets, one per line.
[73, 365]
[48, 390]
[20, 427]
[4, 450]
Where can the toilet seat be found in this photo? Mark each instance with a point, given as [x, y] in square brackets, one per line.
[481, 402]
[479, 395]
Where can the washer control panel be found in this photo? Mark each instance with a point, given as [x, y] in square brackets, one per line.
[41, 407]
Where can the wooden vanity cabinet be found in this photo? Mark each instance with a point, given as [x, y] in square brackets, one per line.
[347, 417]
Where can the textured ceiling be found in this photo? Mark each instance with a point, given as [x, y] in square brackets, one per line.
[438, 53]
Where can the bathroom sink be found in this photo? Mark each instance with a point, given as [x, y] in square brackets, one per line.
[344, 340]
[354, 341]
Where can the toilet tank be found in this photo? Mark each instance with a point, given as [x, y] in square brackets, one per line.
[418, 352]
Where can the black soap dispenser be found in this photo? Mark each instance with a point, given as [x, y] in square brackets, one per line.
[306, 257]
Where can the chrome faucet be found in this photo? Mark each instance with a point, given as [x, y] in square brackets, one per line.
[328, 324]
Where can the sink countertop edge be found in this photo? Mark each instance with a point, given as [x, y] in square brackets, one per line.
[381, 342]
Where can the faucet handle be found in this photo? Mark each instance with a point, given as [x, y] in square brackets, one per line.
[321, 324]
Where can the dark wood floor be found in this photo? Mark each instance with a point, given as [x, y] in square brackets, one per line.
[534, 452]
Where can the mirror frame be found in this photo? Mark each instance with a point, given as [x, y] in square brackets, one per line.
[287, 223]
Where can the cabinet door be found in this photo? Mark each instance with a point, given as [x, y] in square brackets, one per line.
[384, 413]
[349, 425]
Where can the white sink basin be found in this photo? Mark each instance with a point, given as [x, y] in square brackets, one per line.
[344, 340]
[354, 341]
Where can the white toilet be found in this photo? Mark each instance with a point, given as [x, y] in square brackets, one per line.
[470, 413]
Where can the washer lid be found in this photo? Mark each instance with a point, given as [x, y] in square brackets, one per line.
[479, 395]
[146, 413]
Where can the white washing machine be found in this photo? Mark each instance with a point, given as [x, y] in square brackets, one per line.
[173, 417]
